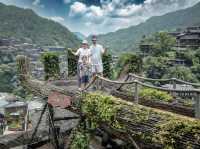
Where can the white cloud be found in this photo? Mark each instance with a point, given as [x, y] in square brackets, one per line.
[67, 1]
[37, 3]
[77, 9]
[57, 19]
[116, 14]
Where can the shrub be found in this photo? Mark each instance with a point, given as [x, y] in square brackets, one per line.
[72, 64]
[155, 67]
[80, 140]
[107, 68]
[181, 72]
[51, 65]
[129, 63]
[153, 94]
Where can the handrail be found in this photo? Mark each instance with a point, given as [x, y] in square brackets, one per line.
[187, 83]
[164, 80]
[140, 83]
[148, 79]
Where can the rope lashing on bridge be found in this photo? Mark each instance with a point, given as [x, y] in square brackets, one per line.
[163, 80]
[138, 82]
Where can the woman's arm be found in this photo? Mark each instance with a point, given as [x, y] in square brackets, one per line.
[74, 53]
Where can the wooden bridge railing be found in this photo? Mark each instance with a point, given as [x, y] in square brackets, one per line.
[194, 92]
[173, 80]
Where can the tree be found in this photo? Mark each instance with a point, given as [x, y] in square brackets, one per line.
[188, 56]
[155, 67]
[197, 54]
[196, 71]
[129, 63]
[51, 65]
[160, 42]
[72, 63]
[7, 75]
[180, 72]
[107, 65]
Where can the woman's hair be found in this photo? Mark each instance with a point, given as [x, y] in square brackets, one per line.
[84, 58]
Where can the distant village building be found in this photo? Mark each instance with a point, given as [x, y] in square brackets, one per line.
[189, 38]
[146, 48]
[16, 114]
[4, 42]
[55, 48]
[13, 113]
[8, 41]
[174, 62]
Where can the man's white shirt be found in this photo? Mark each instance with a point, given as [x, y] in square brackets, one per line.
[96, 51]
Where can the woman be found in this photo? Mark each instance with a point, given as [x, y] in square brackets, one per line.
[83, 53]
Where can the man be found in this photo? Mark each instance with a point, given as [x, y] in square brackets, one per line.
[97, 51]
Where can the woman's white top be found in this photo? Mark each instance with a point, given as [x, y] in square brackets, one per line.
[83, 52]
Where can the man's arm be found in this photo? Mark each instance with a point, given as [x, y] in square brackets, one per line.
[103, 50]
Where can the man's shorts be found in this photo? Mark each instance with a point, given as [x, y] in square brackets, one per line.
[84, 79]
[97, 68]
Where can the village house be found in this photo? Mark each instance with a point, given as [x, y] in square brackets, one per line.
[189, 38]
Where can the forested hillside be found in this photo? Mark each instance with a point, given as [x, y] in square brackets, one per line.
[25, 24]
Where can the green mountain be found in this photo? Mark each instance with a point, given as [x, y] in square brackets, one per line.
[80, 35]
[127, 39]
[26, 25]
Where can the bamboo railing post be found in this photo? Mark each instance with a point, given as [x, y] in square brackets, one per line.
[197, 105]
[173, 82]
[136, 98]
[23, 66]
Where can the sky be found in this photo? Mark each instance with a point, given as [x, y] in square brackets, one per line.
[100, 16]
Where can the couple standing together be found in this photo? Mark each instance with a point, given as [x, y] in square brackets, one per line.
[89, 62]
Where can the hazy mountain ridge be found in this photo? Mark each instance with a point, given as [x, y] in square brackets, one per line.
[126, 39]
[26, 24]
[80, 35]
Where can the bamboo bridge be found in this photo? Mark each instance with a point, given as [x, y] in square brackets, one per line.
[141, 120]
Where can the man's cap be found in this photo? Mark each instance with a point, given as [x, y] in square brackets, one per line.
[84, 42]
[94, 37]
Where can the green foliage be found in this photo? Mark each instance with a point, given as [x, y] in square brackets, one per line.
[180, 72]
[51, 65]
[104, 108]
[188, 56]
[27, 26]
[7, 73]
[196, 71]
[170, 129]
[107, 65]
[21, 92]
[153, 94]
[197, 54]
[80, 139]
[163, 42]
[155, 67]
[72, 63]
[174, 129]
[129, 63]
